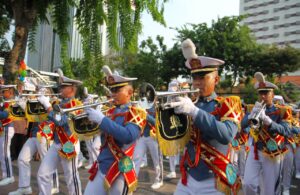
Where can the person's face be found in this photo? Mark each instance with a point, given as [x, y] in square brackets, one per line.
[266, 96]
[68, 91]
[7, 94]
[121, 95]
[205, 83]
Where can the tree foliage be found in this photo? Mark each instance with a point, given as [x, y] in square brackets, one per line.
[121, 17]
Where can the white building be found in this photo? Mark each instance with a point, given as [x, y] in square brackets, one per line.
[273, 21]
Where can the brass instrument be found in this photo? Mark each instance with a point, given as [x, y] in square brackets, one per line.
[80, 124]
[60, 110]
[255, 121]
[148, 96]
[37, 94]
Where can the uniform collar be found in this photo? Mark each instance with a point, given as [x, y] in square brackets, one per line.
[123, 106]
[208, 98]
[270, 107]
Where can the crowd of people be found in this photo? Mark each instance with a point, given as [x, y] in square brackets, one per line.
[232, 146]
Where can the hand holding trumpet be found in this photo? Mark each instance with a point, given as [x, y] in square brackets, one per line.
[184, 105]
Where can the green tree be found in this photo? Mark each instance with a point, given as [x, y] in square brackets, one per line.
[226, 39]
[273, 60]
[27, 14]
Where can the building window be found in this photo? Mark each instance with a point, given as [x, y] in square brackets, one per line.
[268, 36]
[295, 32]
[292, 15]
[286, 25]
[260, 29]
[286, 7]
[263, 20]
[261, 5]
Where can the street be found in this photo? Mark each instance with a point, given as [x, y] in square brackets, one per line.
[145, 181]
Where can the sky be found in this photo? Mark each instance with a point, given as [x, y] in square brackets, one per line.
[180, 12]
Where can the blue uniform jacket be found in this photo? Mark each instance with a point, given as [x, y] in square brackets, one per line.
[151, 120]
[124, 135]
[218, 134]
[62, 123]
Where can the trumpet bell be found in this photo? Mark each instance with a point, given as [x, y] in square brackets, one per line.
[83, 127]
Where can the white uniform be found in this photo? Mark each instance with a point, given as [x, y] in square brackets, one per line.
[270, 169]
[174, 160]
[287, 171]
[5, 159]
[93, 147]
[31, 146]
[48, 168]
[142, 145]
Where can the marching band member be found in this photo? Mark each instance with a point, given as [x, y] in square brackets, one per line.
[38, 141]
[148, 142]
[205, 165]
[266, 150]
[6, 133]
[65, 148]
[296, 124]
[123, 124]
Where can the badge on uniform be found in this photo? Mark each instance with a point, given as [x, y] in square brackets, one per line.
[231, 174]
[125, 164]
[234, 143]
[272, 145]
[46, 129]
[68, 147]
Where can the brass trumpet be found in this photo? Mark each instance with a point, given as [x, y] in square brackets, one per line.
[60, 110]
[148, 96]
[37, 94]
[254, 121]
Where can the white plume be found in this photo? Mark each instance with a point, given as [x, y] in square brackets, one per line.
[106, 70]
[60, 72]
[259, 77]
[188, 49]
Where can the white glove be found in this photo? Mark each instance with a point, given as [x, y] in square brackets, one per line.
[21, 102]
[257, 107]
[265, 118]
[88, 100]
[45, 101]
[95, 116]
[184, 105]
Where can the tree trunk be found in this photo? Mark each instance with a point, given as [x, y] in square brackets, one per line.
[24, 16]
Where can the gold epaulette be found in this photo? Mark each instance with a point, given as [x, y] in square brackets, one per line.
[285, 113]
[137, 116]
[249, 108]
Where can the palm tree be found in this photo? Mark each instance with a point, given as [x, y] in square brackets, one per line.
[27, 14]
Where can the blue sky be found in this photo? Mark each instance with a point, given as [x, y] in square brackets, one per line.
[179, 12]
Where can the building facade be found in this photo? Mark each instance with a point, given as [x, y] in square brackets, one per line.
[273, 21]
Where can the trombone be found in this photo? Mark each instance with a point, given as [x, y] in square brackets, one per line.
[148, 96]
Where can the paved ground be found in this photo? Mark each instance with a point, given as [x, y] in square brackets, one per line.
[145, 178]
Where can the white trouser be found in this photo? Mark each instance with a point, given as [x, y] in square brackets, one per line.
[5, 159]
[141, 148]
[287, 170]
[195, 187]
[174, 160]
[238, 159]
[49, 165]
[96, 187]
[93, 147]
[265, 168]
[31, 146]
[297, 160]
